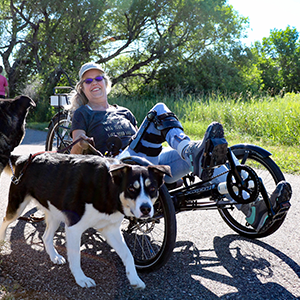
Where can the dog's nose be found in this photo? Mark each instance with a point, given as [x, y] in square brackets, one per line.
[145, 209]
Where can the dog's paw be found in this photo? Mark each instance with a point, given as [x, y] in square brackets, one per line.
[138, 284]
[58, 260]
[85, 282]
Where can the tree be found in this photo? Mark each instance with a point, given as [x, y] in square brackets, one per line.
[278, 57]
[133, 38]
[168, 33]
[47, 38]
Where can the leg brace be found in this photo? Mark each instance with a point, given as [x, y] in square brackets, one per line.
[163, 123]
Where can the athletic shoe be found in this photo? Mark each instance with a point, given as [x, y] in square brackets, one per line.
[280, 200]
[210, 152]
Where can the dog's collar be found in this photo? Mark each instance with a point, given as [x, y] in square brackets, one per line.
[14, 179]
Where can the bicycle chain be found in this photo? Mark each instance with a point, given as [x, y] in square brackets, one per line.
[219, 175]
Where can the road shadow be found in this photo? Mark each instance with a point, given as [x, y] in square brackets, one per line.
[235, 268]
[259, 270]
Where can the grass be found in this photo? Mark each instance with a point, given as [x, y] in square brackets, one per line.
[38, 126]
[272, 123]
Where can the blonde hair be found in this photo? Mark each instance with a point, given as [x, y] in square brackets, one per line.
[78, 97]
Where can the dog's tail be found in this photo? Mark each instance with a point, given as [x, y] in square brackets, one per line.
[8, 165]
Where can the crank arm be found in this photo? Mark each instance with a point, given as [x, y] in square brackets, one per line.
[266, 198]
[233, 166]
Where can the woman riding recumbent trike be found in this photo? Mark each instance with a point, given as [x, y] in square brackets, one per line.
[243, 183]
[248, 179]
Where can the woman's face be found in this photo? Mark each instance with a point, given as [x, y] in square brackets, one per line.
[95, 90]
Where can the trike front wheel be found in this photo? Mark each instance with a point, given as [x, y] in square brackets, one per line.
[270, 175]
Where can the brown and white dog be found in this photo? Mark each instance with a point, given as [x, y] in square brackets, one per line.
[84, 191]
[12, 125]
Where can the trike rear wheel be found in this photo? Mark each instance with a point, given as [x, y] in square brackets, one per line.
[270, 174]
[151, 241]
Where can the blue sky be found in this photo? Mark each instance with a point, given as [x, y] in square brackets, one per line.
[265, 15]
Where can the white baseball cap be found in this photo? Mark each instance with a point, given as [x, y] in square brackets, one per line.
[89, 66]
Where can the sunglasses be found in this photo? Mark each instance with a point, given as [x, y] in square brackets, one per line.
[90, 80]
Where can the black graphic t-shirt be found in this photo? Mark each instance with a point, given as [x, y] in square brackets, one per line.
[101, 125]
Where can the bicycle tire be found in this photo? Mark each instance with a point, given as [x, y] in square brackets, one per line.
[58, 136]
[151, 241]
[270, 174]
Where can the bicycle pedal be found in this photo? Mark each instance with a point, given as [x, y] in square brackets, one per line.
[279, 215]
[283, 209]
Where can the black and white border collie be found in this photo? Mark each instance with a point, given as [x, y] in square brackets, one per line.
[84, 191]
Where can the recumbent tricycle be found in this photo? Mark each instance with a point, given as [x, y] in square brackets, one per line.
[152, 240]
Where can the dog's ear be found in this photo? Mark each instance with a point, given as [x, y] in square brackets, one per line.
[25, 101]
[118, 168]
[159, 171]
[118, 171]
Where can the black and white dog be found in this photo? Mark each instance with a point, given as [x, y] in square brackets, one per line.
[12, 125]
[84, 191]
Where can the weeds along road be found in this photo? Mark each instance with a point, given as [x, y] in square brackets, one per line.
[209, 261]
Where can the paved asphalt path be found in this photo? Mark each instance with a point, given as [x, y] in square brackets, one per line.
[209, 261]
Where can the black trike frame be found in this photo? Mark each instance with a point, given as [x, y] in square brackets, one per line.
[187, 198]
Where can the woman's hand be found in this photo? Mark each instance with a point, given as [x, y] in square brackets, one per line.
[83, 144]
